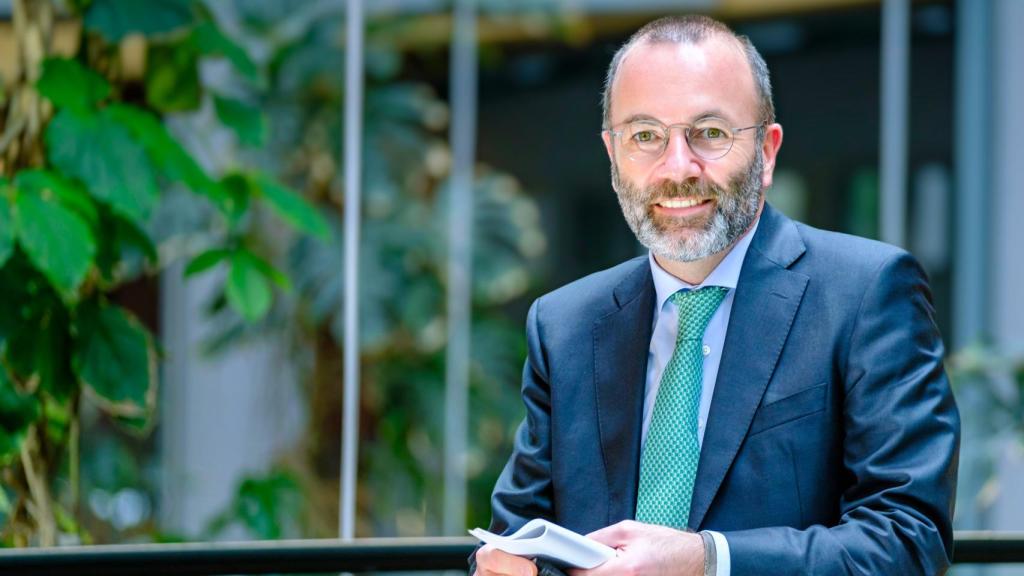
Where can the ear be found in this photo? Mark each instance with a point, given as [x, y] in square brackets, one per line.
[606, 136]
[770, 150]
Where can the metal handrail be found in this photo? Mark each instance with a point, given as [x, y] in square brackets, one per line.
[262, 557]
[988, 547]
[329, 555]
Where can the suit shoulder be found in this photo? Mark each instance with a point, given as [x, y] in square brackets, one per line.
[849, 253]
[588, 296]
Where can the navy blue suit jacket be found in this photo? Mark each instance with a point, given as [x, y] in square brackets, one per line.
[832, 442]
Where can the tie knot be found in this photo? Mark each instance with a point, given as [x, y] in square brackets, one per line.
[696, 307]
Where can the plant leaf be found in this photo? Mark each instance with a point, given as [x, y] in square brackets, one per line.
[269, 271]
[247, 122]
[139, 426]
[247, 289]
[210, 40]
[115, 19]
[102, 153]
[121, 245]
[57, 241]
[205, 261]
[238, 190]
[17, 413]
[68, 84]
[293, 208]
[172, 77]
[167, 154]
[25, 294]
[6, 223]
[115, 358]
[131, 236]
[57, 414]
[38, 350]
[268, 507]
[70, 194]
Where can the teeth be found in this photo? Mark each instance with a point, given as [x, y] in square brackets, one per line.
[680, 203]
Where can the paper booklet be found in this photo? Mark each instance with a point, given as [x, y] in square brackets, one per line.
[542, 539]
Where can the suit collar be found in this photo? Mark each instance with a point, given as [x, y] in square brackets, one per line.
[636, 281]
[622, 338]
[777, 238]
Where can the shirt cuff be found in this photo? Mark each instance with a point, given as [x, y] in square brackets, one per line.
[722, 553]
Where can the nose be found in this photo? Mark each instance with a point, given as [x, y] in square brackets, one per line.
[678, 162]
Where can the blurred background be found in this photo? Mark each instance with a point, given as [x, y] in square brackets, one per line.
[172, 240]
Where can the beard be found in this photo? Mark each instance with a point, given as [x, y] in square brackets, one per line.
[694, 238]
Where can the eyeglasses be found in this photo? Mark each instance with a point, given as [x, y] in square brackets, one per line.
[646, 140]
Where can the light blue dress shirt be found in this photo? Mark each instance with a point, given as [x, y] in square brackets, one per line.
[663, 343]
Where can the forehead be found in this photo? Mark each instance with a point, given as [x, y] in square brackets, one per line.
[677, 82]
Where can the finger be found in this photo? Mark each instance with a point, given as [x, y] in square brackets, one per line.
[493, 562]
[609, 568]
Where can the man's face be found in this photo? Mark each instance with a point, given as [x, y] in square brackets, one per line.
[679, 205]
[698, 232]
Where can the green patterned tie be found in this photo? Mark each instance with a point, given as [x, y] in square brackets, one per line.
[668, 465]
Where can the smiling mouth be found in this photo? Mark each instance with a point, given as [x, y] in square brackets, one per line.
[682, 202]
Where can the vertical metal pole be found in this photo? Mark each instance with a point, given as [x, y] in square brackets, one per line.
[1007, 179]
[353, 166]
[460, 231]
[972, 150]
[895, 54]
[1006, 308]
[971, 154]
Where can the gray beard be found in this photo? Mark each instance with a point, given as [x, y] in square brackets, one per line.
[736, 207]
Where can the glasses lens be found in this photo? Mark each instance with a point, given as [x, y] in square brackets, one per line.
[643, 139]
[710, 139]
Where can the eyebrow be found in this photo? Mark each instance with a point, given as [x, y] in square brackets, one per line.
[712, 113]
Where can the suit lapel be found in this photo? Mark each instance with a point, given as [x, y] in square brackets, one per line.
[621, 344]
[767, 298]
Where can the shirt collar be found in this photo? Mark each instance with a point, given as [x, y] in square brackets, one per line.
[726, 274]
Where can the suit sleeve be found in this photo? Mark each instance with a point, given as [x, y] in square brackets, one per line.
[902, 435]
[523, 491]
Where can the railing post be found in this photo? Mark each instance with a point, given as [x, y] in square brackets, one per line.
[895, 56]
[353, 179]
[460, 257]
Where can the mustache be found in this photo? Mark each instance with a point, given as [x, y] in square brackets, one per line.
[671, 190]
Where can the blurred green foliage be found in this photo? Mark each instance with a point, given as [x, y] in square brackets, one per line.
[267, 507]
[79, 221]
[1000, 380]
[84, 160]
[989, 384]
[403, 269]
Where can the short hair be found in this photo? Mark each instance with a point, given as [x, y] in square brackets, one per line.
[692, 29]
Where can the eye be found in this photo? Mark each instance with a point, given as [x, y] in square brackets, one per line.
[645, 136]
[712, 133]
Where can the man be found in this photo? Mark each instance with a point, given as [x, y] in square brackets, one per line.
[775, 387]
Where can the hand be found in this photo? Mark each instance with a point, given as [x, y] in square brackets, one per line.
[493, 562]
[648, 550]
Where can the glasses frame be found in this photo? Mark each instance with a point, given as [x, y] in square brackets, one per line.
[686, 127]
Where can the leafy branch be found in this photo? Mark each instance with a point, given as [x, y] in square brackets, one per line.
[85, 156]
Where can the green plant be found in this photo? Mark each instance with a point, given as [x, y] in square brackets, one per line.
[85, 156]
[268, 507]
[1000, 381]
[403, 259]
[989, 388]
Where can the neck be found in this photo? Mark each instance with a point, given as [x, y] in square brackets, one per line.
[697, 271]
[692, 272]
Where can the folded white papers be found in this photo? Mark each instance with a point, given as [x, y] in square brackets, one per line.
[539, 538]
